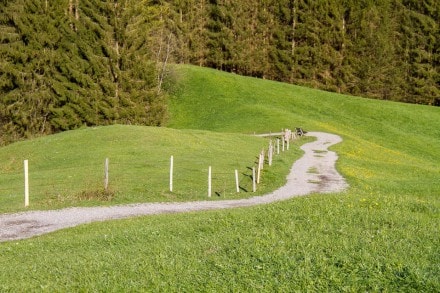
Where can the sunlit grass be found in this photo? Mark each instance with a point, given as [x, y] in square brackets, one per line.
[381, 235]
[67, 169]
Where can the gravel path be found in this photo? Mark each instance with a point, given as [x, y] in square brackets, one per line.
[312, 173]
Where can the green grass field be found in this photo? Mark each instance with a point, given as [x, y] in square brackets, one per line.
[382, 234]
[67, 169]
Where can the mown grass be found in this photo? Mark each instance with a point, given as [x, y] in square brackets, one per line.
[317, 243]
[67, 169]
[382, 234]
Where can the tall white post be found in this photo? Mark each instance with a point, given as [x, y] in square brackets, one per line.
[209, 181]
[278, 146]
[237, 186]
[26, 183]
[270, 153]
[259, 170]
[106, 173]
[171, 172]
[254, 185]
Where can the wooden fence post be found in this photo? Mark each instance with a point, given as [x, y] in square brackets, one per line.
[254, 185]
[237, 186]
[259, 170]
[26, 183]
[270, 153]
[171, 173]
[209, 181]
[106, 174]
[278, 146]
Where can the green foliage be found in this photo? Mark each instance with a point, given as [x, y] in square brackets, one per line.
[70, 63]
[380, 49]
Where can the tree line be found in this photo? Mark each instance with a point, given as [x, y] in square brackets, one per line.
[66, 64]
[387, 49]
[69, 63]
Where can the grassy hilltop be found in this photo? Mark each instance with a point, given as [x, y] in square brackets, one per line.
[382, 234]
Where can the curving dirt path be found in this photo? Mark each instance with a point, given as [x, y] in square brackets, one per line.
[313, 173]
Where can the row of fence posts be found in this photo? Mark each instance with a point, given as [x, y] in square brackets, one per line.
[256, 173]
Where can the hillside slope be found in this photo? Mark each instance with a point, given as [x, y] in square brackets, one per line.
[385, 143]
[379, 235]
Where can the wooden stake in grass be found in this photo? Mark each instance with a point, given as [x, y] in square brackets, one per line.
[259, 170]
[270, 153]
[26, 183]
[254, 185]
[237, 186]
[278, 146]
[171, 173]
[209, 181]
[106, 164]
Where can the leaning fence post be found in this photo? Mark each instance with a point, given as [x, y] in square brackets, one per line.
[106, 174]
[26, 183]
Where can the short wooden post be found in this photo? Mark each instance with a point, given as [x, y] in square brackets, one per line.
[278, 146]
[259, 170]
[254, 185]
[106, 164]
[26, 183]
[262, 159]
[283, 143]
[171, 173]
[209, 181]
[288, 143]
[270, 153]
[237, 186]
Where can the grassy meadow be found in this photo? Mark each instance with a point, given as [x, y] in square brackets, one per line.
[382, 234]
[67, 169]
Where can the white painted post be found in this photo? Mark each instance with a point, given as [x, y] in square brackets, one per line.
[237, 186]
[288, 144]
[171, 173]
[26, 183]
[283, 143]
[209, 181]
[270, 153]
[278, 146]
[259, 170]
[106, 174]
[254, 185]
[262, 159]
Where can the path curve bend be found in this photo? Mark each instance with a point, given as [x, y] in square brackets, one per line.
[314, 172]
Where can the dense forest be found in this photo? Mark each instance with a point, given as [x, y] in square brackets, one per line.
[69, 63]
[65, 64]
[387, 49]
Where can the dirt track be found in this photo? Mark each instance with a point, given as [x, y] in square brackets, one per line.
[313, 173]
